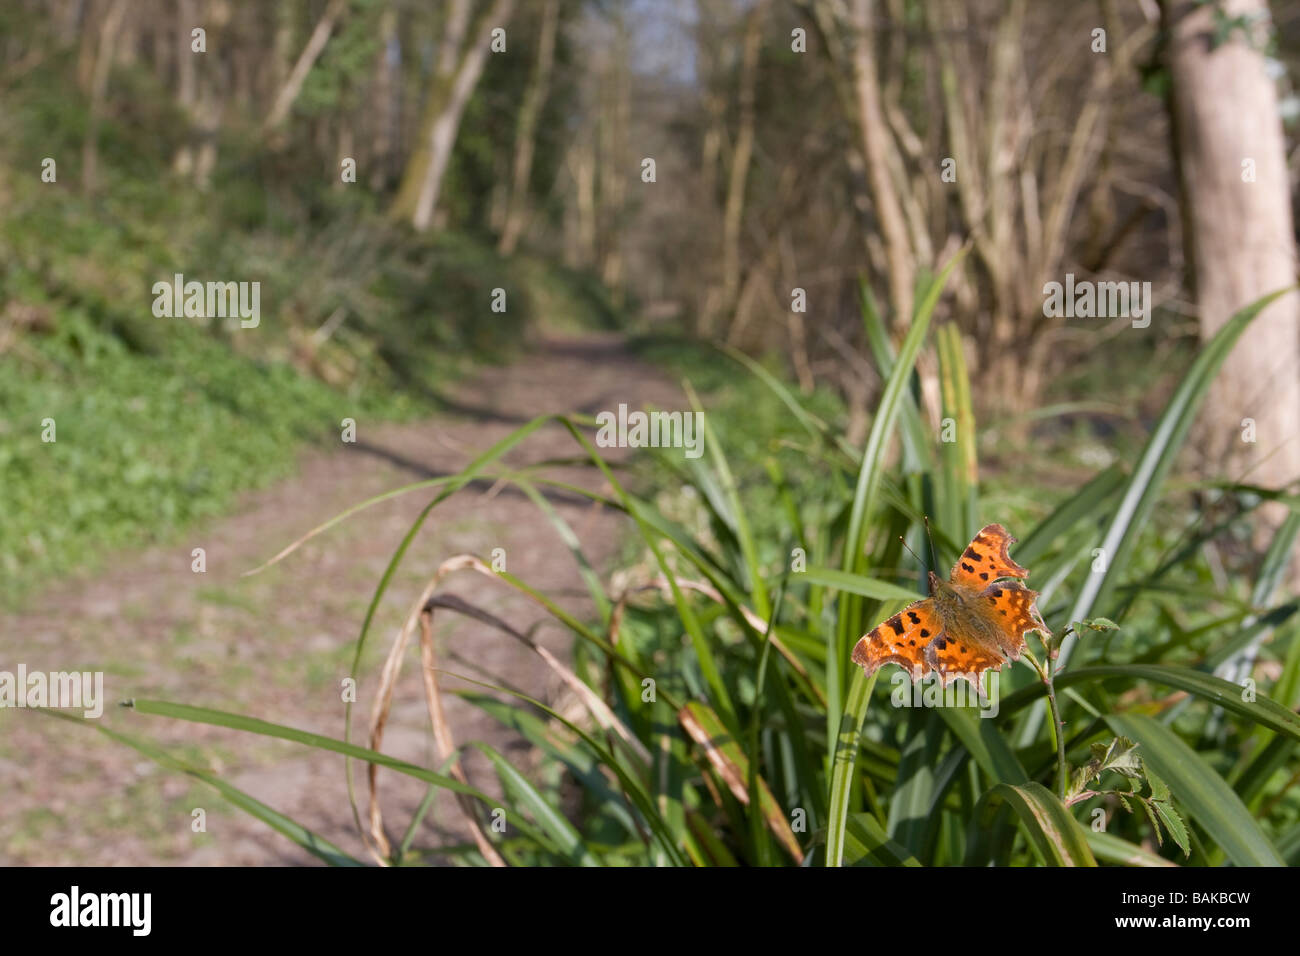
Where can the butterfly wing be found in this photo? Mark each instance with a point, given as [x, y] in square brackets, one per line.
[900, 640]
[986, 559]
[953, 656]
[1016, 614]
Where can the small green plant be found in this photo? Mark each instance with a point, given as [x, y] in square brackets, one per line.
[1120, 756]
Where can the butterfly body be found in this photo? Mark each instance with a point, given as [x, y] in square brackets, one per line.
[971, 623]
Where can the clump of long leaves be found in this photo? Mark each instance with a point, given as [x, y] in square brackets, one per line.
[723, 722]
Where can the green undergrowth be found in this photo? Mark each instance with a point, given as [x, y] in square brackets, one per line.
[163, 421]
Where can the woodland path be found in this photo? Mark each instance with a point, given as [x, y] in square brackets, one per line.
[276, 645]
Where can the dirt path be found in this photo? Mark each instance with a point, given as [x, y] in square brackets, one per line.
[277, 645]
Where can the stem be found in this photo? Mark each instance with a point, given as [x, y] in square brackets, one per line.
[1046, 673]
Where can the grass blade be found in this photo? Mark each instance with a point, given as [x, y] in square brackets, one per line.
[844, 761]
[1209, 800]
[724, 753]
[1262, 710]
[316, 845]
[1056, 837]
[960, 466]
[1111, 849]
[867, 843]
[548, 819]
[860, 584]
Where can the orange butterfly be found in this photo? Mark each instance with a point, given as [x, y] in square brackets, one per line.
[967, 625]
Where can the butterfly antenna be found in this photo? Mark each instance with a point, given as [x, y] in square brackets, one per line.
[909, 550]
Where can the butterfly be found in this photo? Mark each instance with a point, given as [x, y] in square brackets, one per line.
[971, 623]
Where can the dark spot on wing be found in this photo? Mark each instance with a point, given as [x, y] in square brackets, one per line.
[896, 624]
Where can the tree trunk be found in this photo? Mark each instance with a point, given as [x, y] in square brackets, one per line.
[530, 110]
[385, 108]
[615, 160]
[186, 83]
[1241, 237]
[582, 160]
[740, 160]
[453, 38]
[452, 87]
[877, 145]
[310, 53]
[103, 63]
